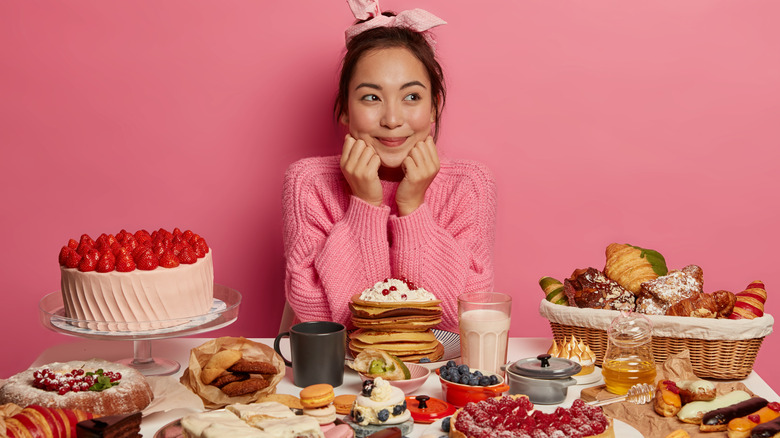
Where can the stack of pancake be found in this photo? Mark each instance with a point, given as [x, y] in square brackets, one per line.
[401, 328]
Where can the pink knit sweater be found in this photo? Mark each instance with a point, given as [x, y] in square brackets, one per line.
[337, 245]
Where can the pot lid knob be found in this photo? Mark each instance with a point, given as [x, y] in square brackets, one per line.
[545, 358]
[422, 399]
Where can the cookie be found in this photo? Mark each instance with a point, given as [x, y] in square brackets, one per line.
[323, 415]
[253, 367]
[288, 400]
[244, 387]
[218, 364]
[317, 396]
[343, 403]
[221, 381]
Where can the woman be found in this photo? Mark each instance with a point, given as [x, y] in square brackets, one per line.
[387, 207]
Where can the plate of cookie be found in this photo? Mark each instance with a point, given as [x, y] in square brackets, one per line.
[431, 348]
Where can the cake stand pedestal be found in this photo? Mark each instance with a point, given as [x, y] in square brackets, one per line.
[223, 312]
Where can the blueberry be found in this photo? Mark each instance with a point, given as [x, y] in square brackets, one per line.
[445, 424]
[478, 373]
[493, 380]
[443, 368]
[404, 404]
[451, 364]
[463, 369]
[383, 415]
[464, 379]
[454, 375]
[368, 387]
[473, 381]
[398, 410]
[425, 360]
[357, 417]
[484, 381]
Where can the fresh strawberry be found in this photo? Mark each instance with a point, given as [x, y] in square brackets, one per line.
[146, 260]
[177, 248]
[85, 245]
[176, 232]
[187, 256]
[159, 249]
[64, 252]
[168, 260]
[188, 235]
[101, 243]
[143, 237]
[88, 263]
[124, 262]
[201, 242]
[116, 247]
[112, 240]
[73, 260]
[199, 252]
[138, 251]
[130, 242]
[107, 262]
[72, 244]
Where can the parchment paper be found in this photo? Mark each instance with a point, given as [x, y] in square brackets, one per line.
[643, 417]
[213, 397]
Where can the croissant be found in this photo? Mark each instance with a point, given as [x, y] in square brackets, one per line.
[701, 305]
[750, 302]
[724, 302]
[630, 266]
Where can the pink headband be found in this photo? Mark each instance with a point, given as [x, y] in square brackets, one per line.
[416, 19]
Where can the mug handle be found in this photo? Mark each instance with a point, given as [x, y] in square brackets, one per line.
[276, 347]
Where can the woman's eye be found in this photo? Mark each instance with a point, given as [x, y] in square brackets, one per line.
[370, 97]
[413, 96]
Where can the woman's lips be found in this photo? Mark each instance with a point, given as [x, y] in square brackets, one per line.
[392, 142]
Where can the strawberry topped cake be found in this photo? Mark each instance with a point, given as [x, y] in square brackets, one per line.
[136, 281]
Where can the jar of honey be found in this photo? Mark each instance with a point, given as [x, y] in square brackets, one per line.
[628, 359]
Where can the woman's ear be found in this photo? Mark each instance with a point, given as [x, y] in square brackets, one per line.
[344, 119]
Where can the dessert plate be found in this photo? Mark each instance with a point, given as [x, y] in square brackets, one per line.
[449, 340]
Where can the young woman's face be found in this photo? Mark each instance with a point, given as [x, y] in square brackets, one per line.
[389, 105]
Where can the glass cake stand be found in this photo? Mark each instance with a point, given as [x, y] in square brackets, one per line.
[223, 312]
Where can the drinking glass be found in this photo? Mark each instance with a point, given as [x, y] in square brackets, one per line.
[483, 319]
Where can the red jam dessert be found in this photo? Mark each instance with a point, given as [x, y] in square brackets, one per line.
[96, 386]
[515, 416]
[122, 282]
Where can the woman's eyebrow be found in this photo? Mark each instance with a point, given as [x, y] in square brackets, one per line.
[377, 87]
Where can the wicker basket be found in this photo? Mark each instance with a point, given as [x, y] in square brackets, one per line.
[711, 358]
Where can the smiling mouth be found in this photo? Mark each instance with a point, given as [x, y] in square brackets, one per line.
[392, 141]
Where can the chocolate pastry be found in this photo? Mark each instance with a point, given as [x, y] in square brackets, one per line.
[125, 426]
[221, 381]
[718, 420]
[253, 366]
[244, 387]
[590, 288]
[656, 296]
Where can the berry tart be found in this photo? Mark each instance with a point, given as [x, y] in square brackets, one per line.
[126, 280]
[514, 416]
[95, 386]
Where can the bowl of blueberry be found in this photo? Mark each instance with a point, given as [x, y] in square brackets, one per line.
[460, 384]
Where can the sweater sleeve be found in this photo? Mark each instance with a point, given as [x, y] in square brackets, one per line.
[335, 244]
[446, 245]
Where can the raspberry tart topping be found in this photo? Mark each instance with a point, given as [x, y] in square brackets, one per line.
[126, 252]
[515, 417]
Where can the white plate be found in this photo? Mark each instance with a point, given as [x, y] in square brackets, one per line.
[622, 430]
[587, 379]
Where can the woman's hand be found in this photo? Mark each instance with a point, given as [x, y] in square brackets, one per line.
[360, 166]
[420, 168]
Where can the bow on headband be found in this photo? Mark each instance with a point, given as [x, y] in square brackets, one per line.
[415, 19]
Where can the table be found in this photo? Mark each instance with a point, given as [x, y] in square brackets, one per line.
[179, 349]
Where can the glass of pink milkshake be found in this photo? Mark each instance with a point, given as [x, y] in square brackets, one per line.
[483, 318]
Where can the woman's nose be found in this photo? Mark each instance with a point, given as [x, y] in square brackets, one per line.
[392, 116]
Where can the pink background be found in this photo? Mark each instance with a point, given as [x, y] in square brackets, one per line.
[651, 123]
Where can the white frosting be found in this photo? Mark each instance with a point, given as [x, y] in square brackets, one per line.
[300, 426]
[268, 421]
[697, 385]
[256, 413]
[401, 292]
[383, 396]
[119, 300]
[221, 430]
[194, 424]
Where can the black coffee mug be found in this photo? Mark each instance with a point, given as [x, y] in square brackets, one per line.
[318, 352]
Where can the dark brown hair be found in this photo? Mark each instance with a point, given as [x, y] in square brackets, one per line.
[389, 37]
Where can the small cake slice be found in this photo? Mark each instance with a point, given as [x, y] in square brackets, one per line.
[111, 426]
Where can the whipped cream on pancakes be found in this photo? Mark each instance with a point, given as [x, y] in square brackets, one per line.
[393, 290]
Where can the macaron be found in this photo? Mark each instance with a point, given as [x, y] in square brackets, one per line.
[317, 396]
[323, 415]
[344, 403]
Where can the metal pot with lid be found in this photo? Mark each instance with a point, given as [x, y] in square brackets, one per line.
[544, 379]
